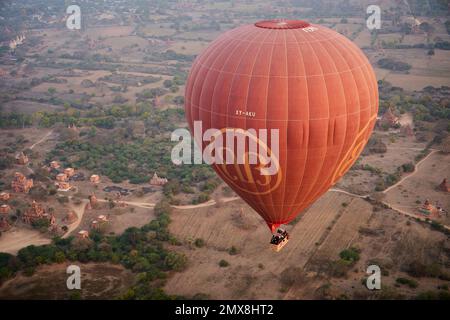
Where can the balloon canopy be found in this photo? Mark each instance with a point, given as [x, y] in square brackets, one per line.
[308, 82]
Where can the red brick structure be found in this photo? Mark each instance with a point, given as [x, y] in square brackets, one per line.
[35, 212]
[101, 220]
[95, 178]
[72, 127]
[63, 186]
[83, 234]
[4, 209]
[426, 208]
[92, 202]
[54, 165]
[4, 225]
[69, 172]
[61, 177]
[444, 186]
[389, 118]
[21, 184]
[4, 196]
[70, 218]
[157, 181]
[22, 159]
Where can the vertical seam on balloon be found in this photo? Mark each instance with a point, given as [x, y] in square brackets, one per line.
[323, 158]
[234, 77]
[353, 53]
[219, 71]
[320, 190]
[369, 83]
[368, 80]
[286, 125]
[248, 35]
[342, 152]
[263, 213]
[304, 142]
[267, 93]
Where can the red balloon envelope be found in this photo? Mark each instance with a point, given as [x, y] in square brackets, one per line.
[311, 83]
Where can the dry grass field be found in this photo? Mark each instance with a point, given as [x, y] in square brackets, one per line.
[422, 185]
[254, 271]
[99, 281]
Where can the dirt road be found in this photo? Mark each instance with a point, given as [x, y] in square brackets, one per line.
[150, 205]
[395, 207]
[79, 210]
[412, 173]
[41, 140]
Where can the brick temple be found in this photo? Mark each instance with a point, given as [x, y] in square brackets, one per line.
[21, 184]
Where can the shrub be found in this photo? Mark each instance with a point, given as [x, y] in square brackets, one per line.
[233, 251]
[430, 295]
[409, 282]
[350, 255]
[199, 243]
[408, 167]
[175, 261]
[223, 263]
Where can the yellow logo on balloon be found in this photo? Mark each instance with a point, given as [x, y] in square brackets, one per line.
[248, 177]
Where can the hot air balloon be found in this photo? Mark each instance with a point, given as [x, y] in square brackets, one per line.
[308, 82]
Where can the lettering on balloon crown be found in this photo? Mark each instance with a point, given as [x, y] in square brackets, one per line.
[235, 147]
[310, 29]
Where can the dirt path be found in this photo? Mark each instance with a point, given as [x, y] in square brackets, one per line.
[79, 210]
[416, 167]
[150, 205]
[394, 207]
[44, 138]
[41, 140]
[206, 204]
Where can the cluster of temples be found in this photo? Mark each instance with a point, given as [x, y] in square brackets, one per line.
[62, 179]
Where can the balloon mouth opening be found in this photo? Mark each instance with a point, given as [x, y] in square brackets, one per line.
[282, 24]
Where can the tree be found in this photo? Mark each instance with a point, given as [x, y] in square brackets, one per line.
[162, 208]
[175, 261]
[167, 83]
